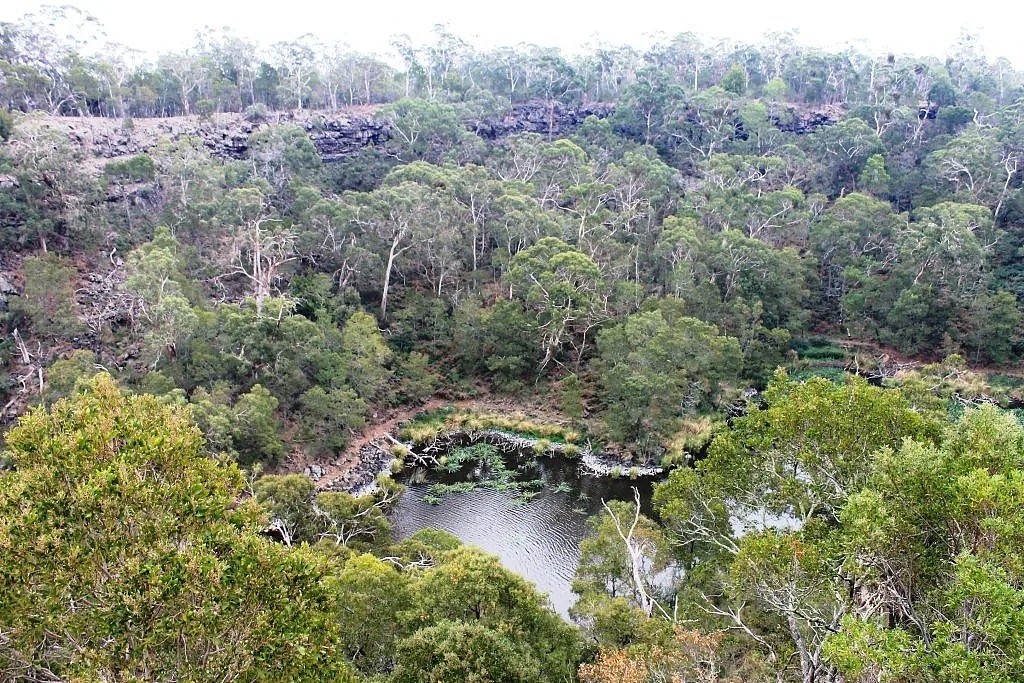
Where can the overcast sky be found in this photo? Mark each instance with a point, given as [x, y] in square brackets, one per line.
[878, 26]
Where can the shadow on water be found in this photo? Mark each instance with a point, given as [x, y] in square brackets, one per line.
[538, 538]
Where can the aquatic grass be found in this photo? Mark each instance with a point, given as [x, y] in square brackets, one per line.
[494, 473]
[441, 490]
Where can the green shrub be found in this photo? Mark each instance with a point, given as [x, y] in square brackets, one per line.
[138, 168]
[6, 124]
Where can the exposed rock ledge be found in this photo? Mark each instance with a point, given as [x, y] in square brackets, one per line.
[375, 459]
[336, 135]
[602, 465]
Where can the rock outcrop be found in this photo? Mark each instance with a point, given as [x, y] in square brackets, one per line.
[339, 137]
[804, 122]
[336, 135]
[554, 120]
[7, 290]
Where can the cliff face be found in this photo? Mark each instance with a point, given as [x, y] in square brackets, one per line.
[336, 135]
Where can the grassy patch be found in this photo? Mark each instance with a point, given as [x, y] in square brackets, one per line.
[693, 435]
[426, 428]
[819, 349]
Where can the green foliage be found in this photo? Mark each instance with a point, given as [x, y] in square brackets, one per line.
[453, 651]
[366, 357]
[424, 130]
[376, 596]
[48, 298]
[606, 568]
[943, 515]
[735, 81]
[809, 446]
[287, 499]
[559, 287]
[247, 431]
[139, 168]
[658, 369]
[283, 153]
[156, 274]
[654, 266]
[123, 555]
[417, 380]
[6, 124]
[256, 433]
[69, 375]
[472, 588]
[328, 417]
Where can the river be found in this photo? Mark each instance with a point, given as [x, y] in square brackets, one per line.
[537, 538]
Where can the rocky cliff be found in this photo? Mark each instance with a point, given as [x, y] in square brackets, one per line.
[336, 135]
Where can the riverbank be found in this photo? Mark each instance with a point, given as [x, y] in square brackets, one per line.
[436, 429]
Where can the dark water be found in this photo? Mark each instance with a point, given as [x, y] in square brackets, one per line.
[540, 538]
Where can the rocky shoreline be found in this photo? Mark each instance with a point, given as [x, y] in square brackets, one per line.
[361, 480]
[375, 459]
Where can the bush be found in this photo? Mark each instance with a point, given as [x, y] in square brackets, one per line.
[205, 108]
[6, 125]
[139, 168]
[256, 113]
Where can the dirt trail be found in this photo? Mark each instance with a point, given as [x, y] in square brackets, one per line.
[350, 458]
[377, 431]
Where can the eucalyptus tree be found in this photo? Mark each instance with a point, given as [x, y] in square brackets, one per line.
[755, 524]
[155, 275]
[658, 367]
[564, 291]
[296, 66]
[977, 167]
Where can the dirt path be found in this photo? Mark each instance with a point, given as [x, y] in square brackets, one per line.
[349, 458]
[377, 431]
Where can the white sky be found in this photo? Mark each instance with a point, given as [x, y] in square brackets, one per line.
[918, 28]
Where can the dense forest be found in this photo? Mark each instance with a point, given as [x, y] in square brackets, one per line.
[789, 277]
